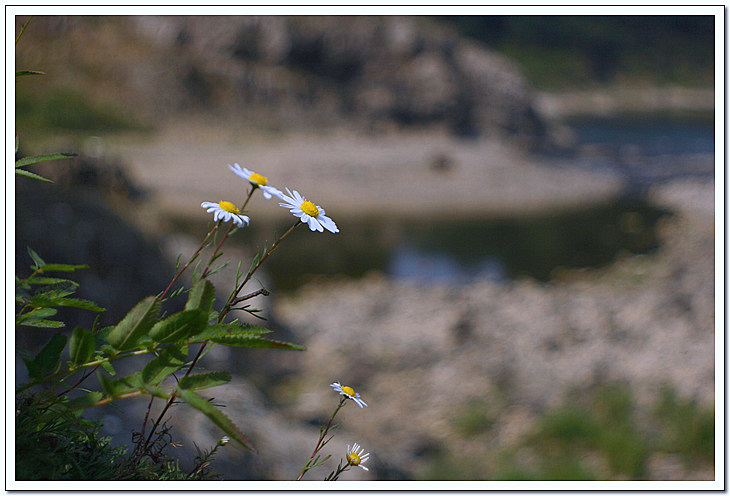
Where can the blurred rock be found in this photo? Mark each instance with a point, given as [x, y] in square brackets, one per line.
[295, 72]
[419, 355]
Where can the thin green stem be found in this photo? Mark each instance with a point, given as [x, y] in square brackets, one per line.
[225, 236]
[221, 316]
[234, 294]
[22, 29]
[96, 363]
[195, 255]
[321, 438]
[340, 469]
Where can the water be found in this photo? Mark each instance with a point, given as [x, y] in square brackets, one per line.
[645, 151]
[648, 150]
[651, 135]
[464, 250]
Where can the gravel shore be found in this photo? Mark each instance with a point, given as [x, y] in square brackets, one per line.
[427, 174]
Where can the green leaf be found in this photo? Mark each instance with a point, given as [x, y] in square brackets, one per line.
[219, 418]
[135, 324]
[179, 326]
[17, 144]
[38, 313]
[82, 345]
[51, 280]
[51, 296]
[47, 359]
[246, 340]
[109, 368]
[78, 303]
[37, 260]
[41, 158]
[23, 172]
[62, 268]
[49, 324]
[201, 296]
[238, 327]
[205, 381]
[155, 391]
[84, 401]
[121, 385]
[169, 361]
[27, 73]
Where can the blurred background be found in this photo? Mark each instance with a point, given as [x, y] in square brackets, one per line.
[523, 282]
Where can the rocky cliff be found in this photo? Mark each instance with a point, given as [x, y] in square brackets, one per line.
[289, 73]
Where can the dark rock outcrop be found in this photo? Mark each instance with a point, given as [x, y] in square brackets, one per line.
[299, 72]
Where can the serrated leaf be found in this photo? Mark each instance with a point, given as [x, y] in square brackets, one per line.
[155, 391]
[236, 327]
[42, 158]
[37, 260]
[31, 175]
[47, 324]
[79, 303]
[246, 340]
[81, 346]
[107, 384]
[205, 381]
[179, 326]
[109, 368]
[135, 324]
[84, 401]
[201, 296]
[169, 361]
[47, 359]
[51, 280]
[219, 418]
[121, 385]
[62, 267]
[51, 296]
[39, 313]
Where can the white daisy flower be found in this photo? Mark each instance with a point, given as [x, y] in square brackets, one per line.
[348, 392]
[355, 456]
[311, 214]
[225, 210]
[256, 180]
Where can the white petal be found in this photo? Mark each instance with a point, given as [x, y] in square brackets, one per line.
[328, 223]
[314, 225]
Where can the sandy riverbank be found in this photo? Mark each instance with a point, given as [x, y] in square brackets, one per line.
[426, 174]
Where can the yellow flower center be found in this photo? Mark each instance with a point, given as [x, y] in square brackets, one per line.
[258, 179]
[353, 459]
[347, 389]
[311, 210]
[228, 207]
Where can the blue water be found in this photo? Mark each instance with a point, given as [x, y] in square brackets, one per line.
[652, 136]
[644, 152]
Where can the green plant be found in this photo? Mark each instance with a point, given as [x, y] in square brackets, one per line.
[686, 427]
[51, 403]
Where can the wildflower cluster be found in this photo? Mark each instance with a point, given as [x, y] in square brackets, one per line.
[168, 339]
[309, 213]
[355, 456]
